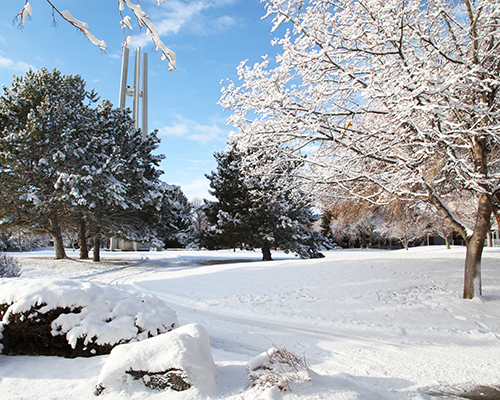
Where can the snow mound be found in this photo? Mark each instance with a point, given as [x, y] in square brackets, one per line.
[99, 313]
[184, 351]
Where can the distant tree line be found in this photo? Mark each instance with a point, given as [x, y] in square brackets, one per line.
[401, 223]
[70, 163]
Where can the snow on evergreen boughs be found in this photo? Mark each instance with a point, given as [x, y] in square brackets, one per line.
[258, 211]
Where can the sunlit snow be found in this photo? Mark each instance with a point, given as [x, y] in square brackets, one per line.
[371, 324]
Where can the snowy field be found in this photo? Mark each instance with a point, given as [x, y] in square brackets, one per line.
[372, 324]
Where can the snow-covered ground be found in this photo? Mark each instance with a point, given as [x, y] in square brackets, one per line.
[371, 324]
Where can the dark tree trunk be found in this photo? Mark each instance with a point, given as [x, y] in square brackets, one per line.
[55, 233]
[82, 240]
[266, 253]
[447, 240]
[97, 249]
[472, 278]
[364, 238]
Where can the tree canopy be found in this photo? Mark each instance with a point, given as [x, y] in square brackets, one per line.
[385, 98]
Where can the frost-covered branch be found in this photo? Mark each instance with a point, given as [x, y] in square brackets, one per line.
[142, 20]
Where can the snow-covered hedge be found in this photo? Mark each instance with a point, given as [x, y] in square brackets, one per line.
[72, 318]
[9, 267]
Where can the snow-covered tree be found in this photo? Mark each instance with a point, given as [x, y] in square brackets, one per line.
[44, 118]
[198, 217]
[173, 217]
[125, 21]
[227, 217]
[117, 184]
[65, 163]
[386, 98]
[257, 212]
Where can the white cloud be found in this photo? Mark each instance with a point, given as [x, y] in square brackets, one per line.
[197, 189]
[194, 131]
[174, 15]
[17, 66]
[224, 22]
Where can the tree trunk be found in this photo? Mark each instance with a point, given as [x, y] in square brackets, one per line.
[406, 243]
[82, 240]
[97, 249]
[447, 240]
[266, 253]
[56, 234]
[472, 276]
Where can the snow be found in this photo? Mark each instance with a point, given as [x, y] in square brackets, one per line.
[371, 324]
[186, 348]
[107, 313]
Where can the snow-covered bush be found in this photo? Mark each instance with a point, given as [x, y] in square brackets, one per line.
[178, 360]
[69, 318]
[275, 369]
[9, 267]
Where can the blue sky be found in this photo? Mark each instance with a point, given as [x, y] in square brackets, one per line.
[210, 38]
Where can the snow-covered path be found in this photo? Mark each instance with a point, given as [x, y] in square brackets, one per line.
[372, 324]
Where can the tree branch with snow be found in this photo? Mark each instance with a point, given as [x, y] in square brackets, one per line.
[142, 19]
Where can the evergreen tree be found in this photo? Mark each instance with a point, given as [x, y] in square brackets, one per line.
[257, 213]
[44, 120]
[229, 217]
[173, 217]
[119, 185]
[65, 163]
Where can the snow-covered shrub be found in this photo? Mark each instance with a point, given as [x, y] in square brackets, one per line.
[9, 267]
[177, 360]
[275, 369]
[71, 319]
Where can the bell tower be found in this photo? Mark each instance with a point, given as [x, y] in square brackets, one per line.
[135, 92]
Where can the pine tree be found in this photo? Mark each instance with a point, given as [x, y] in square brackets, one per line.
[44, 120]
[257, 212]
[119, 181]
[63, 162]
[172, 216]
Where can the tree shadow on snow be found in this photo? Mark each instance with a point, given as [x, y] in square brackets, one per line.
[480, 392]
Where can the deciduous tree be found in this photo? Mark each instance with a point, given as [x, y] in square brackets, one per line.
[400, 96]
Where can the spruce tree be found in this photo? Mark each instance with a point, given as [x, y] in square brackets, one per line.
[257, 212]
